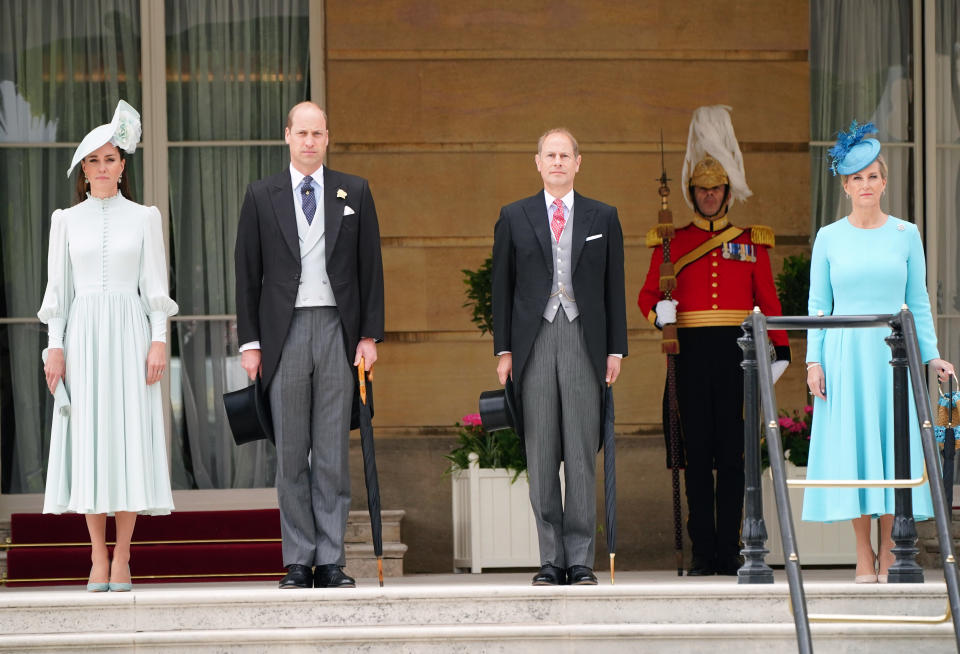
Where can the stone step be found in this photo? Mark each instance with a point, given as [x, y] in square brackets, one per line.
[530, 639]
[164, 608]
[358, 526]
[652, 612]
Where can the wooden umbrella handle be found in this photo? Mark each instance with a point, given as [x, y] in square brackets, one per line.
[362, 378]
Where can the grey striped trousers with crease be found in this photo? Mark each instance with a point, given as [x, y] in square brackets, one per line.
[561, 398]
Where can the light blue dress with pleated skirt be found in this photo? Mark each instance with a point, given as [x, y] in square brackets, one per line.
[106, 299]
[857, 271]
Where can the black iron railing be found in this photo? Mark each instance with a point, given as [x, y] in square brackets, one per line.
[759, 394]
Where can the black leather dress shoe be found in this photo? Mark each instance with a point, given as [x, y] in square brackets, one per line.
[298, 576]
[332, 576]
[550, 575]
[581, 575]
[728, 565]
[701, 568]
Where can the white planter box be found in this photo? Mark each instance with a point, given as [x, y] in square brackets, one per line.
[819, 543]
[493, 524]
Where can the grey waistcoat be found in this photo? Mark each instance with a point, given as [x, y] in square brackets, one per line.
[562, 289]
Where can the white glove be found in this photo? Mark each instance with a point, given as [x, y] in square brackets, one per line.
[777, 368]
[666, 312]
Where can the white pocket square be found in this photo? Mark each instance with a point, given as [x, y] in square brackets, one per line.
[347, 211]
[590, 238]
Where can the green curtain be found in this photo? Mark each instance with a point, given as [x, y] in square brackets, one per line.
[234, 70]
[63, 66]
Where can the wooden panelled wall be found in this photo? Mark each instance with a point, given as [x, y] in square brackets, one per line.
[440, 104]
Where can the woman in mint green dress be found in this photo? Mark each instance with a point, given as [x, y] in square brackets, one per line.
[106, 307]
[865, 263]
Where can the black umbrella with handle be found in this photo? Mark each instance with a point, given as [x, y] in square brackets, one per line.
[610, 477]
[370, 470]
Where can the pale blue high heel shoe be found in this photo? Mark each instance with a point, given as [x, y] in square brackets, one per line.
[97, 586]
[121, 587]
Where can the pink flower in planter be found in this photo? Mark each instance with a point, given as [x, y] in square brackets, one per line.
[471, 419]
[808, 410]
[786, 423]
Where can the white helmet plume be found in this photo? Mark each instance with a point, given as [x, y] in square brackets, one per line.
[711, 134]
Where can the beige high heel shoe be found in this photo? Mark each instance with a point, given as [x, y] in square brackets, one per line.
[882, 579]
[869, 579]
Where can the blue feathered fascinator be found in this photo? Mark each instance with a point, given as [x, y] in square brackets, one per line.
[853, 152]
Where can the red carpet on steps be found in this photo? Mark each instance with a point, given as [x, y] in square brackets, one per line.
[54, 549]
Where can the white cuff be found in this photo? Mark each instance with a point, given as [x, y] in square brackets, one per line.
[252, 345]
[55, 329]
[158, 326]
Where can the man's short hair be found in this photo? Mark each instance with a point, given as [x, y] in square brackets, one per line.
[294, 108]
[559, 130]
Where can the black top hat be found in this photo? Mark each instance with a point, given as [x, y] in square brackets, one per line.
[500, 409]
[248, 411]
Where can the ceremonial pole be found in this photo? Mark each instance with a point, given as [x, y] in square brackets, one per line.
[671, 347]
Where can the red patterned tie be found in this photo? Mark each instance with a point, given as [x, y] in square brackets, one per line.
[557, 223]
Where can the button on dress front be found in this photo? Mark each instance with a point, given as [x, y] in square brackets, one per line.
[106, 300]
[857, 271]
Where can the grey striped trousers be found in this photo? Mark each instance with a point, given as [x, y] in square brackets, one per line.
[310, 397]
[561, 420]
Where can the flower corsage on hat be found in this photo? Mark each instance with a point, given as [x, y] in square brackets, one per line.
[123, 131]
[852, 151]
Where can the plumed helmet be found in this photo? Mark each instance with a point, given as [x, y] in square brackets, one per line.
[713, 155]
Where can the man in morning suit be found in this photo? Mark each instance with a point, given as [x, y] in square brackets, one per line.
[310, 304]
[560, 331]
[723, 271]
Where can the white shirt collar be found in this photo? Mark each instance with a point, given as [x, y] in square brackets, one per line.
[566, 199]
[296, 176]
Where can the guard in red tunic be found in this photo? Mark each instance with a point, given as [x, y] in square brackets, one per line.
[722, 272]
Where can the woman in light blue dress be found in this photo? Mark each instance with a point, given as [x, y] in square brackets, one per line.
[865, 263]
[106, 307]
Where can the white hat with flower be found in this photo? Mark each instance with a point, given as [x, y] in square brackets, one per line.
[123, 131]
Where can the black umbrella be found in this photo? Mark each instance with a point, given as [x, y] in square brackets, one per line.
[370, 470]
[610, 477]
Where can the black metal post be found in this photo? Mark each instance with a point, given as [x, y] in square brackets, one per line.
[754, 533]
[905, 569]
[941, 509]
[791, 563]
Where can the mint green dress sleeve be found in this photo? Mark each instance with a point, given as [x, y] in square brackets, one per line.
[58, 296]
[154, 290]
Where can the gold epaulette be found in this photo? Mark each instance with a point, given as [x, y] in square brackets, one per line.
[762, 235]
[653, 238]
